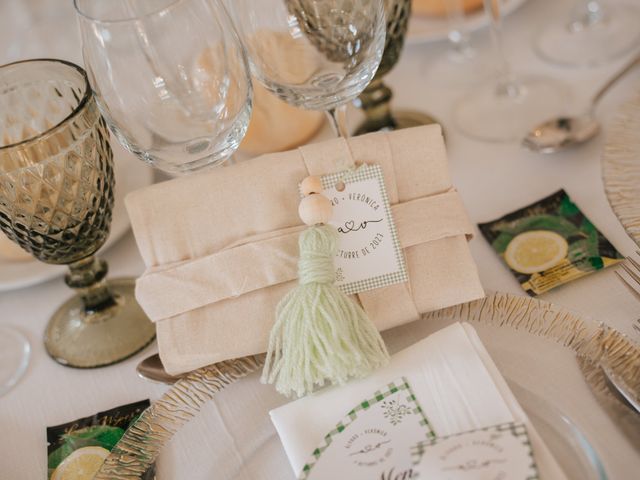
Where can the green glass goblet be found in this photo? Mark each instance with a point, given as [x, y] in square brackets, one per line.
[375, 100]
[56, 197]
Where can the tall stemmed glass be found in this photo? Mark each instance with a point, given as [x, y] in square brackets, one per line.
[462, 64]
[375, 100]
[56, 197]
[170, 76]
[314, 54]
[591, 33]
[504, 109]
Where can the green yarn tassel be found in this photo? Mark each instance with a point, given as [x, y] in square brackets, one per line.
[320, 334]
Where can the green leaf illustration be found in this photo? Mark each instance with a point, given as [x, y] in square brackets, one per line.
[554, 223]
[97, 435]
[567, 207]
[59, 454]
[501, 242]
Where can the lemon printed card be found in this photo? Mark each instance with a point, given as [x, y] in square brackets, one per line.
[76, 450]
[549, 243]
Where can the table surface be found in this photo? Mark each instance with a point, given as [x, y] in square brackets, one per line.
[492, 178]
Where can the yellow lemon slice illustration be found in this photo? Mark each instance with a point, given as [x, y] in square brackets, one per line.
[535, 251]
[82, 464]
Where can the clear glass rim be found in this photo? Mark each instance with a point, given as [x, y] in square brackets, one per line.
[150, 13]
[86, 95]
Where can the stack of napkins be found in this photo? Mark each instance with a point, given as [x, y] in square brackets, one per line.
[440, 409]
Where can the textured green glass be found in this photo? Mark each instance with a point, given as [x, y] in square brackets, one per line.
[56, 197]
[375, 99]
[56, 191]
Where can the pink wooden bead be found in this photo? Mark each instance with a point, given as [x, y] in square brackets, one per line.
[311, 185]
[315, 209]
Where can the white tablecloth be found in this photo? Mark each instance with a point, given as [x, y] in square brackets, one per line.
[237, 440]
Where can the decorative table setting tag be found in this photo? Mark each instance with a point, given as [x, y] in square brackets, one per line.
[500, 452]
[375, 439]
[369, 254]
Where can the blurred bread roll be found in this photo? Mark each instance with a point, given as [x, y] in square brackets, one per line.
[438, 8]
[11, 251]
[276, 126]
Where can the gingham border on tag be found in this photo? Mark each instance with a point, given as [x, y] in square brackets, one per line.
[378, 396]
[362, 173]
[518, 430]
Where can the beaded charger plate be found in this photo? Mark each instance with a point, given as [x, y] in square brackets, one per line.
[621, 167]
[548, 355]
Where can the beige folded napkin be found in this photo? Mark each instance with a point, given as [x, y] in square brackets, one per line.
[454, 380]
[221, 247]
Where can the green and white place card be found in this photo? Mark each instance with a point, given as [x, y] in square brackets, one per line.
[369, 253]
[500, 452]
[374, 440]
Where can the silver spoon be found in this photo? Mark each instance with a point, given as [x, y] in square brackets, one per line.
[151, 368]
[565, 132]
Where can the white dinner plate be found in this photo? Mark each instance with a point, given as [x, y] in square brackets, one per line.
[424, 29]
[131, 174]
[222, 427]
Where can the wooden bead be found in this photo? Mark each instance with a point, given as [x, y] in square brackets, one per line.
[315, 209]
[311, 185]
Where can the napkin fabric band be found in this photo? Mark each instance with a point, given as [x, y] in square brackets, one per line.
[270, 259]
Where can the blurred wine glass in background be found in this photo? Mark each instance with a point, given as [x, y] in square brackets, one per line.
[462, 64]
[505, 108]
[591, 33]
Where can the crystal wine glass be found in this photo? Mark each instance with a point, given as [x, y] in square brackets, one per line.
[504, 109]
[171, 78]
[56, 197]
[591, 33]
[314, 54]
[375, 100]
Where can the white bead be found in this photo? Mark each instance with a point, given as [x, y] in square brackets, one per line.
[311, 185]
[315, 209]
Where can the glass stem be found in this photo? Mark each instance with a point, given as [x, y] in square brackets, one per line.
[458, 35]
[507, 85]
[87, 276]
[338, 119]
[375, 101]
[586, 14]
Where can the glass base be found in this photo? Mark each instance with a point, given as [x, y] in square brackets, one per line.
[14, 357]
[400, 119]
[586, 44]
[79, 339]
[499, 114]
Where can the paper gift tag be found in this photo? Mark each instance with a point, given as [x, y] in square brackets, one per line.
[374, 440]
[500, 452]
[369, 253]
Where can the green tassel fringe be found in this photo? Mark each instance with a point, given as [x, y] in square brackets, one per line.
[320, 334]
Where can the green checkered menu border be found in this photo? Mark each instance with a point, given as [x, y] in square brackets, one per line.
[391, 389]
[518, 430]
[360, 174]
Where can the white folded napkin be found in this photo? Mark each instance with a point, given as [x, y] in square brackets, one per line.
[454, 380]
